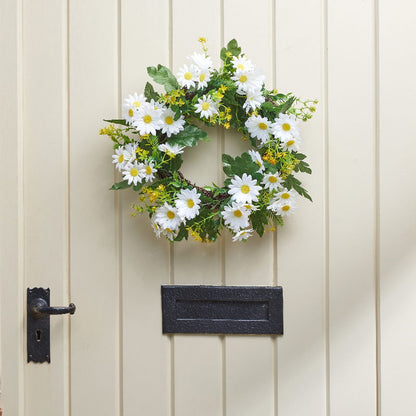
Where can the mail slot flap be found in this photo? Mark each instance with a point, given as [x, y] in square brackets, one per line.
[222, 309]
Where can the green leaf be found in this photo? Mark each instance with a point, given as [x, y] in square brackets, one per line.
[285, 106]
[120, 185]
[233, 47]
[223, 54]
[292, 182]
[122, 122]
[258, 221]
[163, 76]
[189, 136]
[183, 233]
[150, 93]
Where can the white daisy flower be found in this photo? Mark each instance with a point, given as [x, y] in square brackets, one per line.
[285, 195]
[148, 119]
[271, 181]
[243, 235]
[130, 152]
[242, 63]
[132, 105]
[118, 158]
[285, 127]
[171, 151]
[147, 171]
[291, 143]
[248, 82]
[256, 158]
[244, 189]
[188, 204]
[167, 217]
[259, 127]
[203, 77]
[168, 123]
[206, 106]
[254, 100]
[202, 61]
[170, 234]
[251, 208]
[157, 229]
[187, 76]
[282, 208]
[131, 173]
[235, 216]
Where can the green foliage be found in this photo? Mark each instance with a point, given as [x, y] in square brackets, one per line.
[189, 136]
[120, 185]
[117, 121]
[259, 220]
[292, 182]
[163, 76]
[150, 93]
[239, 165]
[232, 48]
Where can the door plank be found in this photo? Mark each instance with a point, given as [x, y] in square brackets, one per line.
[198, 358]
[397, 256]
[249, 361]
[301, 362]
[145, 259]
[45, 196]
[12, 330]
[351, 208]
[95, 350]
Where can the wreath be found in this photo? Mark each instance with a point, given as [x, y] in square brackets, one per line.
[260, 188]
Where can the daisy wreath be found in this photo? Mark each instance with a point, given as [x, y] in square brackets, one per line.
[260, 187]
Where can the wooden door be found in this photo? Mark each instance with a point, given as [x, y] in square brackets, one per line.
[346, 262]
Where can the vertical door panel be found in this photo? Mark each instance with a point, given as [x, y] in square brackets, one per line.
[198, 358]
[301, 253]
[351, 208]
[249, 361]
[145, 259]
[93, 59]
[12, 335]
[397, 215]
[45, 196]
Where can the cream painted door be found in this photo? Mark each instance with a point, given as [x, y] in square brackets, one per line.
[346, 262]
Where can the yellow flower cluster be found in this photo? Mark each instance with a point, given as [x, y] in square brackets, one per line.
[141, 153]
[116, 135]
[174, 97]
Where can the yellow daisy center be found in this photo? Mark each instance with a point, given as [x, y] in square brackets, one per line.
[290, 142]
[148, 170]
[187, 76]
[262, 126]
[205, 106]
[245, 189]
[190, 203]
[134, 172]
[285, 196]
[121, 159]
[241, 66]
[243, 78]
[168, 120]
[131, 112]
[272, 179]
[238, 213]
[147, 119]
[170, 215]
[202, 77]
[137, 104]
[286, 126]
[286, 208]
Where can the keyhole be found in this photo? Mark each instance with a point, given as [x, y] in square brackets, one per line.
[38, 335]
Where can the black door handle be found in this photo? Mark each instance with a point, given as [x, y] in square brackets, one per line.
[39, 307]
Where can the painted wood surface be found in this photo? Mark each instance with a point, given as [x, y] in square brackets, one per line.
[346, 262]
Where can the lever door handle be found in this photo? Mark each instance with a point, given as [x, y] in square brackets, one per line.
[39, 307]
[38, 323]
